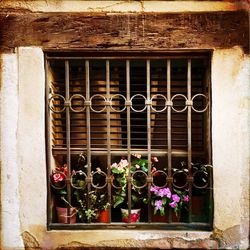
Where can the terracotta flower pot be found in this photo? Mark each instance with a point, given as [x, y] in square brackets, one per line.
[62, 215]
[165, 218]
[159, 218]
[104, 216]
[134, 215]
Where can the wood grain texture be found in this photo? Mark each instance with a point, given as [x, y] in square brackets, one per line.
[66, 31]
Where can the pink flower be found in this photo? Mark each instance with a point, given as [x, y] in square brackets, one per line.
[153, 170]
[155, 190]
[114, 165]
[58, 177]
[173, 204]
[123, 163]
[154, 159]
[165, 192]
[137, 166]
[138, 156]
[158, 204]
[186, 198]
[176, 198]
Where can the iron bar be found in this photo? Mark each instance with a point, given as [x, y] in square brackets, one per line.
[48, 144]
[189, 129]
[169, 131]
[128, 132]
[149, 137]
[68, 136]
[108, 133]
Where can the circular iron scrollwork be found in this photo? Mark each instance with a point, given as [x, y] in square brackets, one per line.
[180, 179]
[138, 110]
[200, 179]
[179, 110]
[53, 97]
[139, 176]
[160, 179]
[99, 179]
[112, 100]
[78, 180]
[96, 97]
[77, 96]
[165, 102]
[206, 106]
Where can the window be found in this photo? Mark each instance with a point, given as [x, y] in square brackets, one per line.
[129, 131]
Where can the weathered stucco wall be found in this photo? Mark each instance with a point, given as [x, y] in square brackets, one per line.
[230, 130]
[230, 95]
[23, 166]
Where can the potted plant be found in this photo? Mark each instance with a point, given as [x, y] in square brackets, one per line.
[102, 204]
[120, 173]
[89, 205]
[163, 199]
[201, 174]
[58, 182]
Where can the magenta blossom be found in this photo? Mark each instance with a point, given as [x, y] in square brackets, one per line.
[176, 198]
[155, 190]
[186, 198]
[173, 204]
[158, 204]
[165, 192]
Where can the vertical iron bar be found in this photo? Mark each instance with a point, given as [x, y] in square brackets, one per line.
[128, 132]
[68, 136]
[149, 137]
[48, 143]
[169, 129]
[88, 124]
[208, 141]
[169, 117]
[189, 123]
[108, 131]
[88, 131]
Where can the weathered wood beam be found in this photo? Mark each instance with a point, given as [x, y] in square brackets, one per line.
[65, 31]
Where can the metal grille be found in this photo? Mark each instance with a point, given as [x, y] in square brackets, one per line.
[103, 109]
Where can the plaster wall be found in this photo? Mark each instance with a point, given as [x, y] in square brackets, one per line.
[10, 206]
[24, 168]
[124, 6]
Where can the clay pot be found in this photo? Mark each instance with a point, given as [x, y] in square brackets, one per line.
[104, 216]
[62, 215]
[134, 215]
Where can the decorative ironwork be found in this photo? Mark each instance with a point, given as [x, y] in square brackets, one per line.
[108, 104]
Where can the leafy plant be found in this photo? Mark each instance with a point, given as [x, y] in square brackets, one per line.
[89, 204]
[120, 171]
[163, 198]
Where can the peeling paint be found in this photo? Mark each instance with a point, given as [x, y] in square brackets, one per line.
[30, 242]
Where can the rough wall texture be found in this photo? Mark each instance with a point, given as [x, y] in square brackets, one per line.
[114, 31]
[123, 31]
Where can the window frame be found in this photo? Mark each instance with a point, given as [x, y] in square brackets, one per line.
[145, 55]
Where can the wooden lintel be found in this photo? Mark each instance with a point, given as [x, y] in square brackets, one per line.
[148, 31]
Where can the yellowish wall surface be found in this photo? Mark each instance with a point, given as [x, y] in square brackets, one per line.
[230, 103]
[125, 6]
[23, 165]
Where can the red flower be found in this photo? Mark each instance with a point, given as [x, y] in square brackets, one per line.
[58, 177]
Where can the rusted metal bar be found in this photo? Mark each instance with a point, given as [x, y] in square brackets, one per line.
[149, 136]
[128, 133]
[189, 130]
[68, 136]
[48, 144]
[169, 131]
[108, 134]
